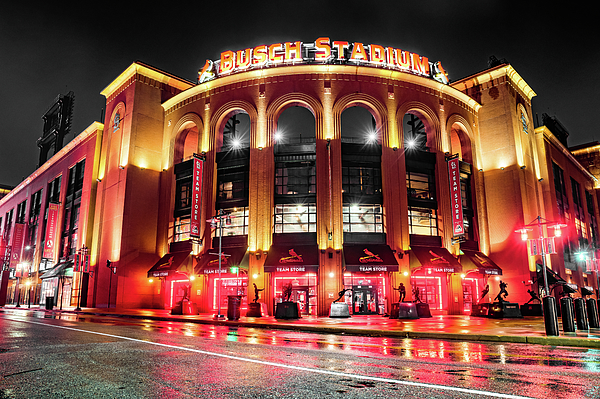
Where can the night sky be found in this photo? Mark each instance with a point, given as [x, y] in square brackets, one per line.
[49, 49]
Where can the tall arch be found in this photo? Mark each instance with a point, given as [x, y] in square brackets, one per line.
[461, 137]
[281, 103]
[189, 124]
[220, 117]
[429, 118]
[374, 106]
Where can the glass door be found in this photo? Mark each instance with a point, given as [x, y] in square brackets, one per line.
[364, 300]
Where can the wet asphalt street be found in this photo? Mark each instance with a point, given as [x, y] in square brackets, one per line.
[70, 356]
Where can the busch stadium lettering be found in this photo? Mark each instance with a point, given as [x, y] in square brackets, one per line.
[322, 51]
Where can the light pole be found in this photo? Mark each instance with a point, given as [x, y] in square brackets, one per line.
[213, 224]
[542, 246]
[82, 263]
[28, 285]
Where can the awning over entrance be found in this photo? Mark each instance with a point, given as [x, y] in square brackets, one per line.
[370, 258]
[553, 277]
[233, 256]
[484, 264]
[436, 259]
[168, 265]
[64, 268]
[292, 258]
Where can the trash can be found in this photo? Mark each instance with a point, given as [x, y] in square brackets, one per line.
[567, 314]
[592, 309]
[49, 302]
[233, 307]
[581, 314]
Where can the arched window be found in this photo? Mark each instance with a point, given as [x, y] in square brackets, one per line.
[361, 174]
[420, 178]
[295, 173]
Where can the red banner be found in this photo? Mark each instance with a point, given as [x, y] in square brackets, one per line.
[17, 245]
[458, 224]
[196, 198]
[50, 241]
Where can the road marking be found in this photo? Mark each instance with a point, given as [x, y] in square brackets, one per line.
[287, 366]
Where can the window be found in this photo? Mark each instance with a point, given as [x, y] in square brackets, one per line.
[295, 178]
[593, 222]
[70, 234]
[420, 186]
[182, 229]
[363, 218]
[422, 221]
[578, 214]
[21, 210]
[34, 219]
[236, 224]
[359, 180]
[291, 218]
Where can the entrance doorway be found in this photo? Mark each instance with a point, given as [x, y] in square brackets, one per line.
[300, 296]
[364, 300]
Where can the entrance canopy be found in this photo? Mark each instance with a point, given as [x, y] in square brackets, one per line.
[168, 265]
[292, 258]
[370, 258]
[64, 268]
[484, 264]
[232, 257]
[436, 259]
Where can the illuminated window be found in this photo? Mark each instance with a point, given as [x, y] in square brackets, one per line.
[363, 218]
[181, 229]
[236, 224]
[292, 218]
[420, 186]
[422, 221]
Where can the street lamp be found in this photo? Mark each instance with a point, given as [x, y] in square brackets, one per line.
[541, 246]
[217, 222]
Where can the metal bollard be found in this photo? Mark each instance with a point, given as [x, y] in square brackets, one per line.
[592, 310]
[567, 312]
[550, 319]
[581, 314]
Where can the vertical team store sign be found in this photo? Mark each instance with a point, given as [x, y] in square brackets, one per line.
[322, 51]
[50, 241]
[458, 223]
[196, 197]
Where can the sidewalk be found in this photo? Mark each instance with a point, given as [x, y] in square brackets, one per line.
[528, 330]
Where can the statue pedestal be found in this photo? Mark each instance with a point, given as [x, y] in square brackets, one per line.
[255, 309]
[287, 310]
[531, 309]
[339, 309]
[404, 310]
[423, 309]
[504, 310]
[481, 310]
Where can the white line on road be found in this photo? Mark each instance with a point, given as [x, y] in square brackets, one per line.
[287, 366]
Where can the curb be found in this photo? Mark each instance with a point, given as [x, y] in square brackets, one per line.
[591, 343]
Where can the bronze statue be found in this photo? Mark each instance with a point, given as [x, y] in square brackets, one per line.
[416, 295]
[286, 292]
[256, 291]
[533, 296]
[342, 293]
[502, 293]
[484, 292]
[402, 291]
